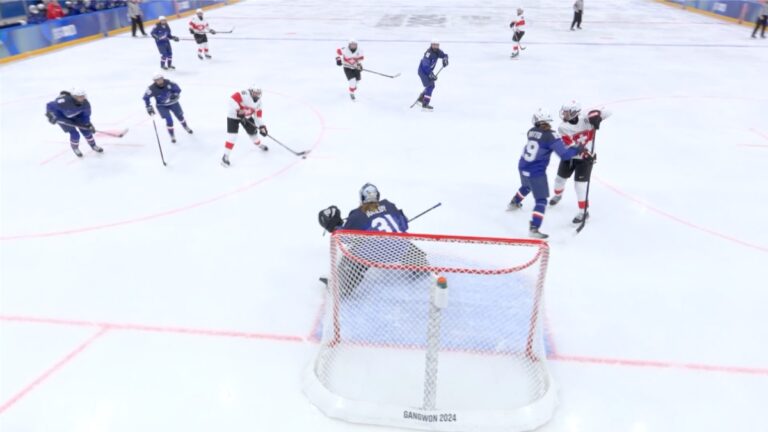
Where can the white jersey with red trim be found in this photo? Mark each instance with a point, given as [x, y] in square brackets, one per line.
[243, 102]
[350, 59]
[518, 24]
[582, 133]
[198, 25]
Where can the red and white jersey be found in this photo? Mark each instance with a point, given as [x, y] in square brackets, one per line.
[198, 25]
[350, 59]
[518, 23]
[244, 103]
[582, 133]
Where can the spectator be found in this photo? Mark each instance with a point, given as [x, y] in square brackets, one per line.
[54, 10]
[35, 14]
[134, 13]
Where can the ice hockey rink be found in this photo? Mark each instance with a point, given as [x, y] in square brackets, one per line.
[138, 297]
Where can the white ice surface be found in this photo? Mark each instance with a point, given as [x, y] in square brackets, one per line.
[668, 279]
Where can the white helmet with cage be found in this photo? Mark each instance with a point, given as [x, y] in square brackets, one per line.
[541, 116]
[570, 110]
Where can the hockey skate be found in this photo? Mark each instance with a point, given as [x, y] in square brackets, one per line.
[173, 139]
[188, 129]
[96, 148]
[512, 206]
[352, 96]
[555, 199]
[535, 233]
[171, 67]
[208, 56]
[580, 217]
[263, 147]
[200, 56]
[225, 161]
[77, 151]
[427, 107]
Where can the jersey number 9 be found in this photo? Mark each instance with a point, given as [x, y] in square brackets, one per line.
[530, 151]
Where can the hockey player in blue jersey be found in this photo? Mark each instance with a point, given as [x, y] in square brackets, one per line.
[166, 94]
[72, 112]
[427, 72]
[373, 214]
[542, 141]
[162, 35]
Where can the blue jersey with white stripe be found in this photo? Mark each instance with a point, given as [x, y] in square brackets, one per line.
[67, 109]
[166, 95]
[429, 61]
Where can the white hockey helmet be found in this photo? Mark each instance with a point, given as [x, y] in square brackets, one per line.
[158, 76]
[199, 11]
[519, 11]
[161, 18]
[351, 41]
[435, 41]
[570, 110]
[369, 193]
[255, 91]
[541, 116]
[78, 92]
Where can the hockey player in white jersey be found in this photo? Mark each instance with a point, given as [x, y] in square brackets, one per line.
[350, 58]
[245, 110]
[518, 31]
[577, 130]
[199, 29]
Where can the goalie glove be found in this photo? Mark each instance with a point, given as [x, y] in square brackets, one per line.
[595, 117]
[330, 218]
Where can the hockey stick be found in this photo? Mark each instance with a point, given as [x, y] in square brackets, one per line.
[119, 134]
[382, 74]
[224, 31]
[589, 181]
[303, 154]
[420, 96]
[162, 158]
[425, 212]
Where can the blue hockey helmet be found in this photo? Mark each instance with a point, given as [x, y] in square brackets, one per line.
[369, 193]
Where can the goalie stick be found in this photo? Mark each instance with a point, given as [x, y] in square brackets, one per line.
[382, 74]
[118, 134]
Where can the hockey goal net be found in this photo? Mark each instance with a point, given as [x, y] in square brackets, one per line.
[434, 332]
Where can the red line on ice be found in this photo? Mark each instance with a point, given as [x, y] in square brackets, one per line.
[659, 364]
[52, 370]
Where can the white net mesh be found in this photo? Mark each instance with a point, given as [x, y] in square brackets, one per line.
[394, 344]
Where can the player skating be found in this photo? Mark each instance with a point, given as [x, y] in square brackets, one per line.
[576, 129]
[163, 37]
[427, 72]
[578, 11]
[518, 31]
[245, 110]
[72, 112]
[200, 29]
[762, 21]
[542, 141]
[166, 94]
[349, 57]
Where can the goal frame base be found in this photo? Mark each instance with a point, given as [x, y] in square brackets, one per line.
[527, 418]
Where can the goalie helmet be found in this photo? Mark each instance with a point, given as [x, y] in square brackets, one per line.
[570, 110]
[369, 194]
[541, 116]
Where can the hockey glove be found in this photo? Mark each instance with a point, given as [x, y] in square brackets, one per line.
[241, 115]
[212, 31]
[263, 130]
[150, 110]
[51, 117]
[89, 126]
[330, 218]
[360, 66]
[192, 32]
[175, 38]
[595, 118]
[445, 61]
[338, 61]
[173, 99]
[586, 156]
[432, 76]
